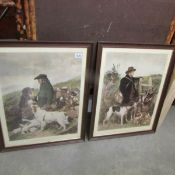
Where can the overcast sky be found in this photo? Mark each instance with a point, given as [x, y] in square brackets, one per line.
[145, 64]
[18, 70]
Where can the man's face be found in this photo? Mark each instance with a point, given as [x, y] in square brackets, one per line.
[131, 74]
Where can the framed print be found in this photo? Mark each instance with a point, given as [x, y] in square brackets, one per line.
[130, 88]
[43, 93]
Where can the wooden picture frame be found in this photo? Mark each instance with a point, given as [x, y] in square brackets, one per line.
[20, 16]
[63, 69]
[109, 101]
[171, 38]
[170, 97]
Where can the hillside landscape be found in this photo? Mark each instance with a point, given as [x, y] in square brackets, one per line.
[111, 90]
[12, 112]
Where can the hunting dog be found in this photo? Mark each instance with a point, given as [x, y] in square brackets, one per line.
[119, 111]
[41, 120]
[47, 117]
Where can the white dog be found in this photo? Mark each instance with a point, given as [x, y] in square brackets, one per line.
[46, 117]
[119, 111]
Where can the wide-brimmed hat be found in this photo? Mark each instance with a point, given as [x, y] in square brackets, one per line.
[41, 76]
[130, 69]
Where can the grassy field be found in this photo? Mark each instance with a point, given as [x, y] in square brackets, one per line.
[74, 83]
[51, 130]
[115, 125]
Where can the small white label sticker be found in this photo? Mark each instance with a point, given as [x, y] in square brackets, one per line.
[78, 55]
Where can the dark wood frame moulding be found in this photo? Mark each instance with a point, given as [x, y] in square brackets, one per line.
[90, 47]
[170, 36]
[25, 18]
[101, 45]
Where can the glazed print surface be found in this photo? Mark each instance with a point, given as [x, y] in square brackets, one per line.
[41, 94]
[130, 86]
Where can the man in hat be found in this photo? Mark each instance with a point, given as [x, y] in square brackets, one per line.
[127, 87]
[46, 91]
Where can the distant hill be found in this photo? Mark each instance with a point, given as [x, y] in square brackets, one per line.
[73, 83]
